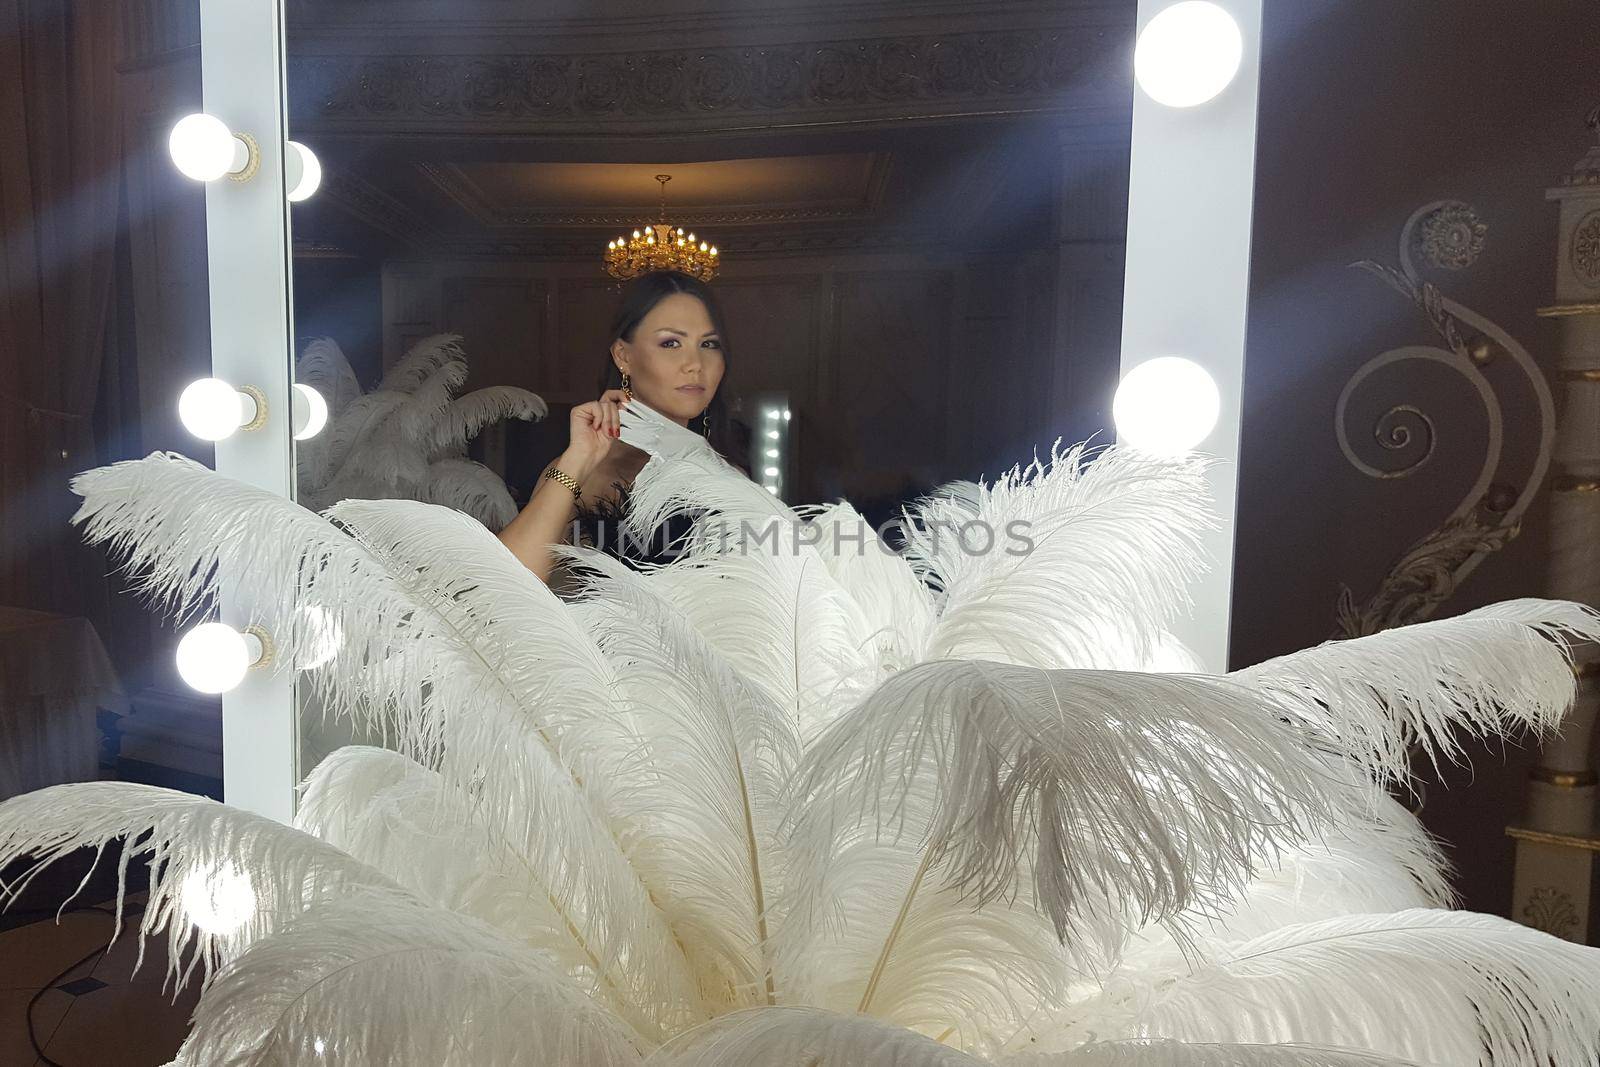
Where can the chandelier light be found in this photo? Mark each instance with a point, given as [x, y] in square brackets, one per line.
[661, 246]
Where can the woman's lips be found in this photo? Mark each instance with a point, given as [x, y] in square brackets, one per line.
[691, 388]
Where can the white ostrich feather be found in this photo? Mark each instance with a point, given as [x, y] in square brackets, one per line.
[1440, 987]
[1486, 672]
[1167, 790]
[322, 366]
[498, 688]
[721, 754]
[464, 416]
[1157, 1053]
[783, 622]
[262, 873]
[898, 607]
[470, 487]
[1114, 543]
[684, 475]
[420, 361]
[327, 452]
[381, 979]
[414, 420]
[804, 1037]
[409, 823]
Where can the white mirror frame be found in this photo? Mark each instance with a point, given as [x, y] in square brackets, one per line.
[1191, 189]
[247, 245]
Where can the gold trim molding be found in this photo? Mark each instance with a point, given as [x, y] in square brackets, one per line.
[1544, 837]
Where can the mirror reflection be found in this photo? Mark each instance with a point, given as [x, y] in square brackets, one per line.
[894, 236]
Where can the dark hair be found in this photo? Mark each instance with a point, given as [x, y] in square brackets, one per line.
[642, 294]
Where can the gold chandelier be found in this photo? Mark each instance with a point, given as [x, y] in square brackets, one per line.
[660, 246]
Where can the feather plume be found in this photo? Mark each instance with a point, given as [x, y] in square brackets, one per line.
[466, 415]
[1096, 556]
[382, 978]
[322, 366]
[685, 474]
[804, 1037]
[1487, 672]
[420, 361]
[1436, 986]
[409, 823]
[470, 487]
[720, 754]
[897, 606]
[1168, 790]
[1204, 1054]
[355, 426]
[481, 698]
[220, 878]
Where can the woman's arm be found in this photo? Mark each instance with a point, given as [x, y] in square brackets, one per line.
[543, 521]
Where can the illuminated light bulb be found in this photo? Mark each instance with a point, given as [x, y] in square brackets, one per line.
[610, 245]
[213, 657]
[1166, 406]
[211, 409]
[649, 238]
[1188, 53]
[635, 235]
[772, 413]
[680, 231]
[220, 900]
[772, 489]
[702, 246]
[772, 453]
[309, 412]
[772, 434]
[771, 472]
[302, 172]
[680, 240]
[787, 415]
[713, 249]
[691, 238]
[203, 148]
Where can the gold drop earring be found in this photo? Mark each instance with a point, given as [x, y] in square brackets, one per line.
[627, 394]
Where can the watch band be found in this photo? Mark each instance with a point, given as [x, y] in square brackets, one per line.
[565, 479]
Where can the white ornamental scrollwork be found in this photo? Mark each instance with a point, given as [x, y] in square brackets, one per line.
[1490, 513]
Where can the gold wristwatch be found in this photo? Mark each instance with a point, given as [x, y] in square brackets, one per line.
[565, 479]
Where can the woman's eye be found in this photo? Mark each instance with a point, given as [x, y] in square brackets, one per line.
[711, 342]
[670, 342]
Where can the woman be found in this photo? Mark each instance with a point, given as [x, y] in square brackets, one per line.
[669, 349]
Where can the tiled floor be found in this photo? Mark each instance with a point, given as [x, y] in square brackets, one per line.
[99, 1013]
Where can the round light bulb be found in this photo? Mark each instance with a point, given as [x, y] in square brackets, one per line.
[211, 409]
[1188, 53]
[302, 171]
[203, 148]
[1166, 405]
[213, 657]
[772, 453]
[308, 412]
[218, 901]
[771, 472]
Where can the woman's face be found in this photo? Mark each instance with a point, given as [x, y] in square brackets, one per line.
[674, 362]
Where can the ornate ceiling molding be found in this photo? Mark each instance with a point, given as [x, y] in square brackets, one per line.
[712, 89]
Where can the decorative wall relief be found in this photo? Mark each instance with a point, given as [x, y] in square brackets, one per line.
[1447, 235]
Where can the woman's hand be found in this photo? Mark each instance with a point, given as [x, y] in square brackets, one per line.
[592, 427]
